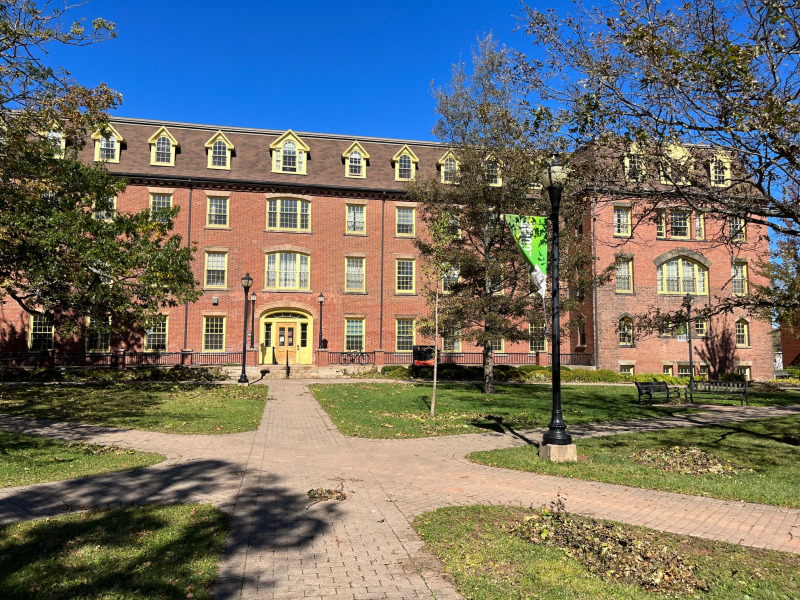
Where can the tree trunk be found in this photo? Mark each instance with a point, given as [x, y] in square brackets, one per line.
[488, 369]
[435, 353]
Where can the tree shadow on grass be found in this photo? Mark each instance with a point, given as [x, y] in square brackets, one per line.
[267, 517]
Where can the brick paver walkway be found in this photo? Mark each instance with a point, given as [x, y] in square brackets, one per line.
[281, 545]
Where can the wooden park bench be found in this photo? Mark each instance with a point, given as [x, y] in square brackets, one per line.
[648, 388]
[734, 389]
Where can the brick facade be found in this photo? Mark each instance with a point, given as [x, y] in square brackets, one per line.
[250, 183]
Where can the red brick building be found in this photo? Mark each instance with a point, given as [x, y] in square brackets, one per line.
[310, 215]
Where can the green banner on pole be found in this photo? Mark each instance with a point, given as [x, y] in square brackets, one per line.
[530, 234]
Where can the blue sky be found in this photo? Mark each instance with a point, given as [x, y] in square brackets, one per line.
[358, 68]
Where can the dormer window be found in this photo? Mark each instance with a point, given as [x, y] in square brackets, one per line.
[676, 167]
[720, 171]
[355, 161]
[493, 174]
[57, 141]
[219, 149]
[634, 165]
[405, 162]
[162, 148]
[107, 145]
[289, 154]
[449, 167]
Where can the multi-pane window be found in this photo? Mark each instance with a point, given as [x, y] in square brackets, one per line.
[219, 154]
[108, 148]
[159, 202]
[217, 212]
[213, 334]
[496, 344]
[581, 330]
[744, 371]
[626, 369]
[634, 166]
[404, 283]
[449, 170]
[742, 333]
[666, 370]
[449, 280]
[41, 333]
[682, 276]
[354, 334]
[288, 270]
[355, 164]
[738, 229]
[699, 226]
[105, 212]
[492, 173]
[404, 167]
[625, 331]
[405, 335]
[739, 278]
[354, 275]
[701, 327]
[97, 339]
[289, 159]
[719, 172]
[155, 338]
[679, 223]
[405, 221]
[163, 153]
[289, 213]
[703, 372]
[684, 370]
[216, 269]
[538, 341]
[624, 274]
[661, 224]
[356, 218]
[622, 220]
[451, 340]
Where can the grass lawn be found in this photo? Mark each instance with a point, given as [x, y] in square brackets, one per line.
[767, 452]
[26, 460]
[144, 552]
[167, 408]
[488, 562]
[401, 410]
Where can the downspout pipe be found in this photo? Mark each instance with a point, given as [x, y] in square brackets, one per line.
[188, 245]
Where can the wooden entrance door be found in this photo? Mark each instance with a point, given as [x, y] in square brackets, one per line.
[285, 342]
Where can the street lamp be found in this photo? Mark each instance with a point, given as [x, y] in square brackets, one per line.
[247, 281]
[553, 177]
[253, 298]
[321, 299]
[687, 301]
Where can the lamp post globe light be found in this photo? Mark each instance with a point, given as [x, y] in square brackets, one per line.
[247, 281]
[321, 300]
[253, 298]
[553, 178]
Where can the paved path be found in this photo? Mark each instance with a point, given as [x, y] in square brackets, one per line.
[283, 546]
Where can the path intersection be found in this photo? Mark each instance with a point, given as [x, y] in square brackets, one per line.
[282, 545]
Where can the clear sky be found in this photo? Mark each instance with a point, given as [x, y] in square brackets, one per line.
[357, 68]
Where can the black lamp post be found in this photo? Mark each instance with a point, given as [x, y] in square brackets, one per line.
[321, 299]
[553, 178]
[247, 281]
[253, 298]
[687, 300]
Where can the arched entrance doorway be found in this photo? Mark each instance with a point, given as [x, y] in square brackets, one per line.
[286, 335]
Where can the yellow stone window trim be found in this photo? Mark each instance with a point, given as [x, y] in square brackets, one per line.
[405, 221]
[355, 268]
[162, 148]
[405, 335]
[289, 154]
[622, 221]
[356, 160]
[624, 275]
[156, 336]
[448, 165]
[494, 176]
[216, 270]
[720, 170]
[354, 333]
[219, 149]
[405, 276]
[633, 161]
[287, 271]
[107, 144]
[95, 340]
[56, 138]
[742, 333]
[213, 333]
[405, 164]
[677, 165]
[537, 339]
[218, 212]
[739, 278]
[41, 333]
[288, 214]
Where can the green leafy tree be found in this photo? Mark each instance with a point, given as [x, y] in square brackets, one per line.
[498, 140]
[720, 78]
[64, 251]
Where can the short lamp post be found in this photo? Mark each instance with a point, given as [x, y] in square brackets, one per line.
[253, 298]
[321, 300]
[247, 281]
[553, 178]
[687, 302]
